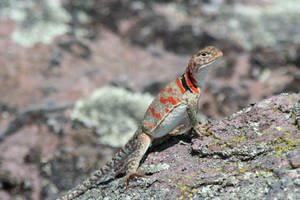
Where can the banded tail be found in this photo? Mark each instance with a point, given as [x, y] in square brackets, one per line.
[100, 175]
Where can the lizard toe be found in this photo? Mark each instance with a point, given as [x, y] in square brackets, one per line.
[132, 175]
[203, 129]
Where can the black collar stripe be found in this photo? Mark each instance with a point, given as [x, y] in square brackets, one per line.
[191, 79]
[184, 84]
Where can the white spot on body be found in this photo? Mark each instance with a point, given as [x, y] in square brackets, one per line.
[174, 118]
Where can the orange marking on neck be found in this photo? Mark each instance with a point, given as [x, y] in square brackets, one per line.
[190, 83]
[180, 85]
[167, 110]
[169, 99]
[157, 115]
[170, 90]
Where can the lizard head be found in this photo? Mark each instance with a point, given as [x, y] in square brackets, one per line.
[204, 57]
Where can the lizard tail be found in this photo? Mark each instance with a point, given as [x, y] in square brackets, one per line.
[100, 175]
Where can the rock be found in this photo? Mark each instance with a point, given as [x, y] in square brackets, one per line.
[184, 26]
[247, 156]
[260, 25]
[295, 162]
[113, 112]
[36, 22]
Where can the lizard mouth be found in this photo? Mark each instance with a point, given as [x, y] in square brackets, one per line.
[206, 65]
[218, 55]
[210, 64]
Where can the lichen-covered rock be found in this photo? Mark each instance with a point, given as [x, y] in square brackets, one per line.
[36, 22]
[266, 25]
[254, 154]
[113, 112]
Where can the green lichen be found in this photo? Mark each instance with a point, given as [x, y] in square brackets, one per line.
[215, 141]
[243, 169]
[276, 109]
[233, 142]
[113, 112]
[284, 144]
[239, 140]
[266, 131]
[183, 188]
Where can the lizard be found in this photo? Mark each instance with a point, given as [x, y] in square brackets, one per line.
[167, 114]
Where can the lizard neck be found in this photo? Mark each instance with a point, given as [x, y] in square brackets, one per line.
[198, 78]
[194, 79]
[188, 82]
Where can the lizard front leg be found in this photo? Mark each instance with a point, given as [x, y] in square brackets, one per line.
[143, 142]
[192, 109]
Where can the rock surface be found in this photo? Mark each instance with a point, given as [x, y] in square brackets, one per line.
[114, 112]
[254, 154]
[55, 52]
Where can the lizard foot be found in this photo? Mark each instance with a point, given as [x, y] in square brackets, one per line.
[203, 129]
[132, 175]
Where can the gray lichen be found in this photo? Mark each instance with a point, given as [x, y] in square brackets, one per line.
[278, 21]
[35, 22]
[113, 112]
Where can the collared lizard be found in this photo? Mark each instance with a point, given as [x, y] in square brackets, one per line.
[175, 103]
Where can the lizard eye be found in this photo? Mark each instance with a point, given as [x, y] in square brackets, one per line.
[203, 54]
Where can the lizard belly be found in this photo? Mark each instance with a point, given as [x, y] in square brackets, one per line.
[174, 118]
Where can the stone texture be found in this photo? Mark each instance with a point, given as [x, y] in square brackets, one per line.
[113, 112]
[251, 155]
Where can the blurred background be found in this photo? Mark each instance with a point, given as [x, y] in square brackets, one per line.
[114, 56]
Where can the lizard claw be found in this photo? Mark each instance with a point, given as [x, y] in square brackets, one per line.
[203, 129]
[131, 176]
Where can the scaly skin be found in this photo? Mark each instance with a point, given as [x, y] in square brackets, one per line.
[165, 115]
